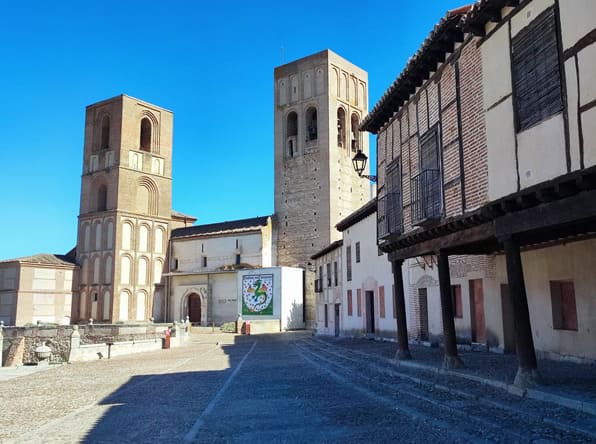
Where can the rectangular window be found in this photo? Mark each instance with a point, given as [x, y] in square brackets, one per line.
[536, 71]
[349, 302]
[389, 205]
[426, 196]
[328, 275]
[562, 295]
[357, 252]
[237, 259]
[458, 311]
[359, 301]
[326, 317]
[335, 274]
[349, 263]
[204, 261]
[382, 301]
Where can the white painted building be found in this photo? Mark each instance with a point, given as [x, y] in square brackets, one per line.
[361, 299]
[204, 262]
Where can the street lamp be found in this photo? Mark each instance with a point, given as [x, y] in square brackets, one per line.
[359, 162]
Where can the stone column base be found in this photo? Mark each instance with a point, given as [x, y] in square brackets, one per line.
[452, 362]
[526, 378]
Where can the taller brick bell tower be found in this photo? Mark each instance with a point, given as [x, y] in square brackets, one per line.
[320, 101]
[125, 211]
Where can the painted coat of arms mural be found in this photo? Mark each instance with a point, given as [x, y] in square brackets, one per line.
[257, 294]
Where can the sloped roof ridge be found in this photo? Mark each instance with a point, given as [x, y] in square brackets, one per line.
[219, 227]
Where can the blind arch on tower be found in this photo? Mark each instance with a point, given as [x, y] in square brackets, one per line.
[147, 196]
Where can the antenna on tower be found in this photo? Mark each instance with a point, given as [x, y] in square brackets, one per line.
[281, 54]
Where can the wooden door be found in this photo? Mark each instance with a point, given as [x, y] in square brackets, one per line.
[423, 310]
[477, 311]
[194, 308]
[370, 312]
[508, 320]
[336, 319]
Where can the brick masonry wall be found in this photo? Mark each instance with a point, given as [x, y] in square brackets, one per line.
[474, 131]
[434, 103]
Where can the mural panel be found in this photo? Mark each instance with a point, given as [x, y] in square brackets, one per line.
[257, 294]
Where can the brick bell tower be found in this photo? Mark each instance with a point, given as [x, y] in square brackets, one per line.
[320, 101]
[125, 210]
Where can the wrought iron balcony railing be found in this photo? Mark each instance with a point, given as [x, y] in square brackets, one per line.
[427, 202]
[389, 215]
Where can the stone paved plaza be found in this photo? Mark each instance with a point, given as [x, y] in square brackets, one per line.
[269, 388]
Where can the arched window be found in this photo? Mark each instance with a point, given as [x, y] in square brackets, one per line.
[143, 238]
[292, 134]
[87, 237]
[355, 133]
[145, 134]
[142, 271]
[105, 133]
[158, 246]
[98, 236]
[107, 279]
[141, 302]
[126, 236]
[341, 127]
[102, 198]
[106, 306]
[125, 270]
[311, 124]
[123, 307]
[96, 270]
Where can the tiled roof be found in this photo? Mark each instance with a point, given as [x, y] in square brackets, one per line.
[365, 210]
[440, 41]
[484, 11]
[179, 215]
[332, 246]
[222, 227]
[42, 259]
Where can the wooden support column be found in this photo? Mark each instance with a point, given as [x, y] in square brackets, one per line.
[451, 359]
[403, 350]
[527, 372]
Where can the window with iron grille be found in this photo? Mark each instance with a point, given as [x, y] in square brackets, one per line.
[536, 71]
[426, 185]
[328, 275]
[349, 262]
[357, 252]
[389, 204]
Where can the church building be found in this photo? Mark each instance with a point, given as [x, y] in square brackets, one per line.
[136, 259]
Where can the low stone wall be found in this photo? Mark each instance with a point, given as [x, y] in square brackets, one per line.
[85, 342]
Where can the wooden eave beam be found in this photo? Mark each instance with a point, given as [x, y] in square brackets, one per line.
[477, 29]
[468, 237]
[576, 209]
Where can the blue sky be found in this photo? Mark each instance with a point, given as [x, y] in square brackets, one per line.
[211, 63]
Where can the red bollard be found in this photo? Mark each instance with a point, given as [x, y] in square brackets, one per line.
[166, 340]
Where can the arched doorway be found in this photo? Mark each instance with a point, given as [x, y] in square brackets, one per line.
[194, 308]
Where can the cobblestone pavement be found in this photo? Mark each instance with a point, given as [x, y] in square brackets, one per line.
[270, 388]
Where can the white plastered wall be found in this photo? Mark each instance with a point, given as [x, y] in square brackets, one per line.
[576, 262]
